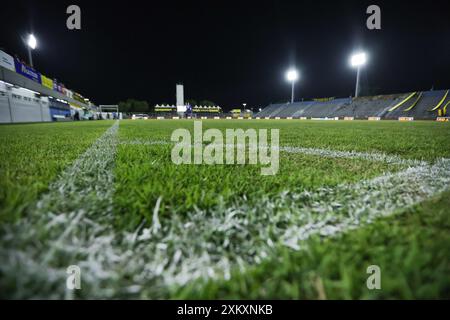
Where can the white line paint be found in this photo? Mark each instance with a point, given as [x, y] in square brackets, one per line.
[369, 156]
[58, 225]
[293, 218]
[78, 229]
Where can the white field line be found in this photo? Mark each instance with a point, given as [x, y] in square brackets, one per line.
[370, 156]
[328, 153]
[200, 245]
[32, 248]
[73, 224]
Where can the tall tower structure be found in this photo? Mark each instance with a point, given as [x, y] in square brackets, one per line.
[180, 95]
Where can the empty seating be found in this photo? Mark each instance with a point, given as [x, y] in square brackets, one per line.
[419, 106]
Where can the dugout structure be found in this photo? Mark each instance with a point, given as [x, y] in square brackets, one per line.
[107, 109]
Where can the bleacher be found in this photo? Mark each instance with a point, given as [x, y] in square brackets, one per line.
[321, 109]
[424, 103]
[418, 105]
[271, 109]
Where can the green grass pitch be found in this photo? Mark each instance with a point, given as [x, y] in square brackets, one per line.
[220, 231]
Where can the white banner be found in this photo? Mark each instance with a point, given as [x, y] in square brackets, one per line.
[7, 61]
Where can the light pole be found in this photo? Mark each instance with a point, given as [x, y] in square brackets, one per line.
[31, 45]
[292, 76]
[357, 61]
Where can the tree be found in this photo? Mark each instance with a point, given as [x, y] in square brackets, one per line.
[192, 102]
[207, 103]
[140, 106]
[124, 106]
[132, 105]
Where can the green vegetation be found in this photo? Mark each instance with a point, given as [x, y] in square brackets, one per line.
[411, 248]
[32, 155]
[415, 140]
[133, 105]
[193, 217]
[145, 172]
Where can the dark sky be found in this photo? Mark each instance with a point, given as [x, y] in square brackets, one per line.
[232, 52]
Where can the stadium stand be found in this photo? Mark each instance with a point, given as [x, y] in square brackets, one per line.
[319, 109]
[271, 109]
[425, 105]
[422, 108]
[27, 95]
[373, 106]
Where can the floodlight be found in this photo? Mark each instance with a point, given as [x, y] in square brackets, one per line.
[291, 75]
[358, 59]
[32, 42]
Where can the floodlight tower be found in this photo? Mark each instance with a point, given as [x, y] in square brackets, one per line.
[292, 76]
[358, 60]
[31, 45]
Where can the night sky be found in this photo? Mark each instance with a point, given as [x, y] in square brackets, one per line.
[232, 52]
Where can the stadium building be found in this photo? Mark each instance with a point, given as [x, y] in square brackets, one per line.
[26, 95]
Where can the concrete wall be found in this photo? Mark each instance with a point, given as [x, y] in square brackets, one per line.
[5, 111]
[22, 105]
[45, 107]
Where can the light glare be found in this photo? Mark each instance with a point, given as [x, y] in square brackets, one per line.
[358, 59]
[32, 42]
[292, 75]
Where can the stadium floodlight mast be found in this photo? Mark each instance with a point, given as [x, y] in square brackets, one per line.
[31, 45]
[292, 76]
[358, 60]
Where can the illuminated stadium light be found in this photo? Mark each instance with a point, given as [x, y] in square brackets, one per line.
[32, 42]
[292, 76]
[358, 60]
